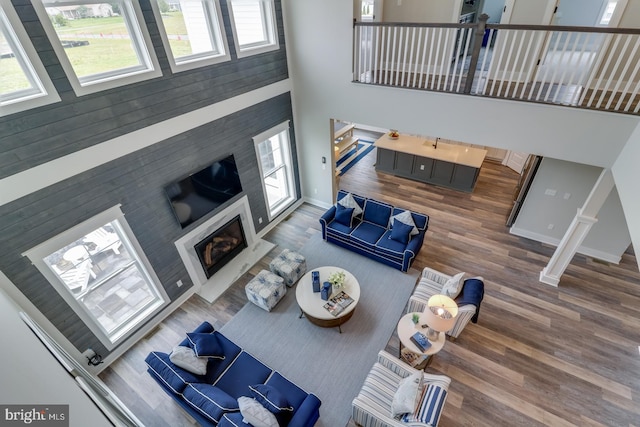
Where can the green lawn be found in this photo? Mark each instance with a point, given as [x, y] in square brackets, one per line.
[11, 76]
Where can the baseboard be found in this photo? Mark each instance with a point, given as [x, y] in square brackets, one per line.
[590, 252]
[318, 203]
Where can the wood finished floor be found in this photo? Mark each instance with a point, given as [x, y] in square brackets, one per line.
[539, 355]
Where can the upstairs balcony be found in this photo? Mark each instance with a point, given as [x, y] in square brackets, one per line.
[582, 67]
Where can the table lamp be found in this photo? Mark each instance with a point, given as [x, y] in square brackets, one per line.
[440, 315]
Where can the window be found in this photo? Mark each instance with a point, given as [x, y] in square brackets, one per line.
[192, 33]
[254, 26]
[99, 269]
[273, 149]
[24, 82]
[100, 45]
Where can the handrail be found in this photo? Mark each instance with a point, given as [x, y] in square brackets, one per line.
[582, 67]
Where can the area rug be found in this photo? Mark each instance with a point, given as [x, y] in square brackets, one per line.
[322, 361]
[353, 156]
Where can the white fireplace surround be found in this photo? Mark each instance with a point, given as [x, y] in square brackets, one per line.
[210, 289]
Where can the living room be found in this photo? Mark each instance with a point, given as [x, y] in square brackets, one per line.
[63, 167]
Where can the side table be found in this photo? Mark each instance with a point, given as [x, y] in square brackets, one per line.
[406, 328]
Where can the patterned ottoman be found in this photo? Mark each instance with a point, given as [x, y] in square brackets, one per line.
[289, 265]
[266, 289]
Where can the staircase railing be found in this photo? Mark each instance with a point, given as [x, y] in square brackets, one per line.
[584, 67]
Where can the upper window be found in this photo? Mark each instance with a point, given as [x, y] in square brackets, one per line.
[100, 270]
[254, 26]
[100, 45]
[273, 149]
[24, 82]
[192, 33]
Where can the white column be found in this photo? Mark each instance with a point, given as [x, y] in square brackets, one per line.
[578, 230]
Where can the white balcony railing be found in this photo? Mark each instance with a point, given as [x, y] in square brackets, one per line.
[584, 67]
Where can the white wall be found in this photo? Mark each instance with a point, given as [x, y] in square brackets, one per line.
[421, 11]
[608, 238]
[31, 375]
[493, 8]
[578, 12]
[625, 173]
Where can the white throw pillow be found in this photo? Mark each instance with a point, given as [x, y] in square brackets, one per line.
[349, 202]
[404, 400]
[186, 358]
[453, 286]
[256, 414]
[406, 218]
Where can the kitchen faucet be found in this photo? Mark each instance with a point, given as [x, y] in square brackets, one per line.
[435, 144]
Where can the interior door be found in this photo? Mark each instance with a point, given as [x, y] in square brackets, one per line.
[516, 160]
[370, 10]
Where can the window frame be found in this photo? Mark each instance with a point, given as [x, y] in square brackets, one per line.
[38, 254]
[43, 92]
[288, 165]
[270, 22]
[134, 20]
[215, 25]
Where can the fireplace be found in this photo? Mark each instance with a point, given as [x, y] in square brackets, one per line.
[221, 246]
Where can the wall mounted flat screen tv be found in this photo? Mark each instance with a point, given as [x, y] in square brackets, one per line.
[203, 191]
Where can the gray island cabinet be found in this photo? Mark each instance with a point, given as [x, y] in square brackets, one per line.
[417, 158]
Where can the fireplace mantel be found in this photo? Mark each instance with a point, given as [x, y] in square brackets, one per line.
[210, 289]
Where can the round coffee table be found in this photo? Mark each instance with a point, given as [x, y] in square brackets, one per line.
[406, 328]
[312, 305]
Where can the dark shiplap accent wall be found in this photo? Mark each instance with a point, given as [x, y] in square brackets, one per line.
[39, 135]
[136, 181]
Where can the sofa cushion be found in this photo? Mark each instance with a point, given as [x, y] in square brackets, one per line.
[244, 371]
[420, 220]
[232, 419]
[185, 358]
[216, 367]
[430, 407]
[348, 201]
[174, 377]
[407, 218]
[205, 345]
[256, 414]
[275, 401]
[377, 212]
[209, 400]
[401, 232]
[344, 215]
[390, 248]
[295, 395]
[367, 235]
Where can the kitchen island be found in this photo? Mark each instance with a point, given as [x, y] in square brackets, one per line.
[424, 159]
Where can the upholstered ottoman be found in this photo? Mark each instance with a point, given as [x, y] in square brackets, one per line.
[289, 265]
[266, 289]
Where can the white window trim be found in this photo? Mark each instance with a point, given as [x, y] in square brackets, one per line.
[117, 80]
[38, 253]
[248, 51]
[290, 176]
[47, 93]
[198, 62]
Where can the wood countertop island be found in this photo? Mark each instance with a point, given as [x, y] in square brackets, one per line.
[450, 165]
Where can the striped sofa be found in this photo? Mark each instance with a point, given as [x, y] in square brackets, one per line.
[372, 406]
[431, 283]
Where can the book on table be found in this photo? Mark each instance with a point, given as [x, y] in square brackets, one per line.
[337, 303]
[421, 341]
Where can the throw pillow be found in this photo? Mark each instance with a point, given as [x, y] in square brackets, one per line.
[405, 217]
[272, 399]
[404, 400]
[400, 232]
[344, 215]
[256, 414]
[453, 286]
[430, 408]
[205, 345]
[349, 202]
[186, 358]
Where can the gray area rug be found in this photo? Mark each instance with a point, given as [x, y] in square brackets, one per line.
[321, 360]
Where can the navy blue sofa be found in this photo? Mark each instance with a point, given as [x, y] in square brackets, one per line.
[371, 233]
[211, 399]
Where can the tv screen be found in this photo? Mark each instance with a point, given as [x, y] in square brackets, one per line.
[203, 191]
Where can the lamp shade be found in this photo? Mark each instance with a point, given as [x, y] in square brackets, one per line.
[440, 313]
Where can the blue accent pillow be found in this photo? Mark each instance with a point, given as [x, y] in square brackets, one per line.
[344, 215]
[272, 399]
[205, 345]
[400, 231]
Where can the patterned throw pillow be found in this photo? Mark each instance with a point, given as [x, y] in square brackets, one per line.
[349, 202]
[186, 358]
[256, 414]
[404, 400]
[453, 286]
[430, 407]
[406, 218]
